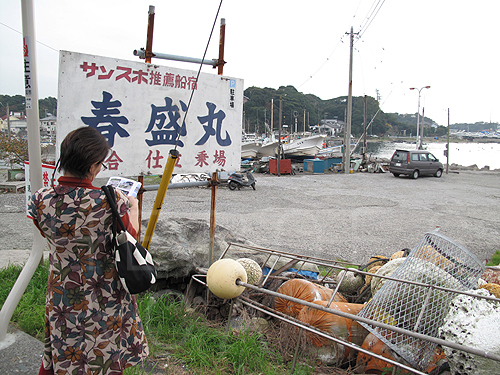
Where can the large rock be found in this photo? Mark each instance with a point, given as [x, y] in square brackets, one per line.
[180, 245]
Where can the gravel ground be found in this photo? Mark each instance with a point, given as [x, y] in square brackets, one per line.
[332, 216]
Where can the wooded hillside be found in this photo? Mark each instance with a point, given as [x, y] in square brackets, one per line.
[258, 109]
[257, 112]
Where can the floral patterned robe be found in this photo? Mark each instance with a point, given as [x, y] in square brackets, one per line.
[91, 322]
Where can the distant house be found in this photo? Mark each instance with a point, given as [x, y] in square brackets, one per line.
[4, 123]
[329, 126]
[48, 125]
[17, 122]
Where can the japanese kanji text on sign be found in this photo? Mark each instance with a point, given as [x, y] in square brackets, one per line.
[140, 109]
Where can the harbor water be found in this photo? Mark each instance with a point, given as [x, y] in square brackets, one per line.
[465, 154]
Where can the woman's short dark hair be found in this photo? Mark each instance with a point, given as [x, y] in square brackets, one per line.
[81, 149]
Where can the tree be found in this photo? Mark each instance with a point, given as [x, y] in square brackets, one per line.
[16, 104]
[47, 105]
[13, 150]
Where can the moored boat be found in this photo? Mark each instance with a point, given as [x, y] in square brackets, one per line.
[250, 144]
[333, 151]
[308, 146]
[250, 148]
[268, 148]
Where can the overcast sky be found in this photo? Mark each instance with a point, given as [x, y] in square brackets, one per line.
[450, 45]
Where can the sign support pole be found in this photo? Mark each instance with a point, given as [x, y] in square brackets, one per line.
[222, 40]
[149, 40]
[215, 181]
[149, 54]
[174, 154]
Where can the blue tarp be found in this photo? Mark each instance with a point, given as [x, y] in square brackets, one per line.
[309, 274]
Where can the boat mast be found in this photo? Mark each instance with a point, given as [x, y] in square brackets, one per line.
[272, 118]
[304, 122]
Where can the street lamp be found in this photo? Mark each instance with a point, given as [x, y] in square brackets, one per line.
[419, 145]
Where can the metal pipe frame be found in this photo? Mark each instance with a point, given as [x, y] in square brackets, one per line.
[288, 319]
[326, 263]
[416, 335]
[141, 53]
[307, 327]
[320, 263]
[291, 320]
[308, 259]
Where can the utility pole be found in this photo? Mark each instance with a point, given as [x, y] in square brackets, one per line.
[272, 118]
[279, 136]
[8, 122]
[364, 132]
[347, 129]
[448, 144]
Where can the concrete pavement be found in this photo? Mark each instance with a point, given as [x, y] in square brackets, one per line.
[20, 353]
[331, 216]
[16, 256]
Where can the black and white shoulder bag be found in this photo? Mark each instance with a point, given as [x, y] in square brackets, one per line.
[133, 262]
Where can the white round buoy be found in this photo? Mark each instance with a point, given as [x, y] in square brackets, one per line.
[253, 270]
[222, 277]
[351, 282]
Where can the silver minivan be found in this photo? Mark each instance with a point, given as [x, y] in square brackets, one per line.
[415, 163]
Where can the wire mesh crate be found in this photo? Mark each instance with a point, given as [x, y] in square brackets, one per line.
[417, 304]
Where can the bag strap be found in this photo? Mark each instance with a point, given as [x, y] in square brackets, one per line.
[110, 195]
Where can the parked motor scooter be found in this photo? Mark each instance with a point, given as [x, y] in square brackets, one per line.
[236, 180]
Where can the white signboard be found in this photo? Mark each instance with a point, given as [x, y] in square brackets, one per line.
[140, 108]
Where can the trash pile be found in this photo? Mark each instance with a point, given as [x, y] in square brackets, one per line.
[424, 310]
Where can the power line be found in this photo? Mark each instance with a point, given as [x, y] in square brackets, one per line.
[371, 17]
[331, 53]
[43, 44]
[367, 17]
[324, 63]
[198, 75]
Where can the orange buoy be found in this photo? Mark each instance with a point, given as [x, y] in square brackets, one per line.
[397, 254]
[337, 326]
[304, 290]
[493, 288]
[366, 364]
[377, 260]
[368, 278]
[433, 256]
